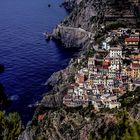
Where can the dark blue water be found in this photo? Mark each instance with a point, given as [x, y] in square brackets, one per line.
[28, 59]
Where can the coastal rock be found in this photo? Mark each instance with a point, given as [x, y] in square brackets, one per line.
[59, 81]
[54, 79]
[72, 37]
[52, 100]
[62, 76]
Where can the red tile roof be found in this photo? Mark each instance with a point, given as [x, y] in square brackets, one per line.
[105, 63]
[80, 78]
[135, 65]
[41, 117]
[131, 39]
[67, 97]
[105, 67]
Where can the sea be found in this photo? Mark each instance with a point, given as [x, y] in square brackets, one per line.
[28, 59]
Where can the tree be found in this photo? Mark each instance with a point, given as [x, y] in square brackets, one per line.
[10, 126]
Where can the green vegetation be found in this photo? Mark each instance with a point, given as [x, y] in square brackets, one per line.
[99, 37]
[10, 126]
[127, 62]
[40, 138]
[126, 128]
[131, 98]
[115, 25]
[90, 52]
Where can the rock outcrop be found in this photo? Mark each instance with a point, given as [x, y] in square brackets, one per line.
[73, 37]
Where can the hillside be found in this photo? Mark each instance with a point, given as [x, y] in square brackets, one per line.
[88, 17]
[84, 124]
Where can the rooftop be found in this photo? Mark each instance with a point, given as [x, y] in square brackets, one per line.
[131, 39]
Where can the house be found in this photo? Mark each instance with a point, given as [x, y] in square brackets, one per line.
[109, 82]
[109, 101]
[103, 70]
[91, 61]
[105, 46]
[98, 104]
[122, 31]
[106, 63]
[80, 79]
[98, 81]
[128, 71]
[116, 90]
[85, 71]
[71, 88]
[115, 58]
[115, 52]
[111, 73]
[133, 70]
[95, 90]
[78, 98]
[114, 105]
[135, 56]
[132, 41]
[116, 63]
[135, 66]
[136, 82]
[67, 100]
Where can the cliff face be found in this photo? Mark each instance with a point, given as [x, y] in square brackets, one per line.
[91, 14]
[73, 37]
[69, 124]
[88, 16]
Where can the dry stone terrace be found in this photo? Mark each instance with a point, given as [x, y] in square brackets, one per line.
[102, 83]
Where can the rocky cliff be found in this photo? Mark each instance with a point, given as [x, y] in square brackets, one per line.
[88, 16]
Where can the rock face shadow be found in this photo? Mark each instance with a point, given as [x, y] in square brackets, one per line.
[4, 101]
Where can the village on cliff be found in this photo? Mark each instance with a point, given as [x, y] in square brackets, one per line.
[111, 72]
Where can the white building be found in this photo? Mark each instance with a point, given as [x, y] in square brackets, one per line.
[115, 52]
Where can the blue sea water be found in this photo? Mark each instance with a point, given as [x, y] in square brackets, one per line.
[29, 60]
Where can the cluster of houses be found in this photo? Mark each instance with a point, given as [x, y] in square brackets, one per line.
[100, 84]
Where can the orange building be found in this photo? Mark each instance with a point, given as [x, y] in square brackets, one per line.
[128, 71]
[135, 56]
[134, 70]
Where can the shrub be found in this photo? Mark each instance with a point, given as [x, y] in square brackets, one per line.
[115, 25]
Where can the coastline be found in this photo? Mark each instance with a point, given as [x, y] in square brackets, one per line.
[69, 37]
[59, 81]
